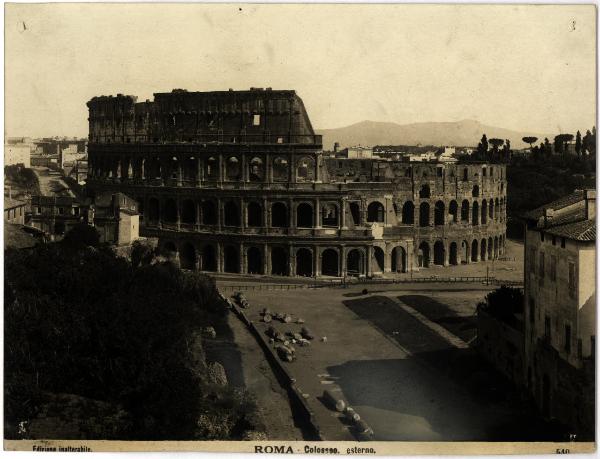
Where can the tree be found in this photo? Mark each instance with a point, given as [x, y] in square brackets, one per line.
[530, 141]
[482, 148]
[547, 147]
[578, 143]
[496, 143]
[82, 235]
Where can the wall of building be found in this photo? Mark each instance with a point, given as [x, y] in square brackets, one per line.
[15, 215]
[17, 154]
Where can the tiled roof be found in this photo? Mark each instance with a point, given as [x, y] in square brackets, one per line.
[560, 203]
[10, 203]
[584, 230]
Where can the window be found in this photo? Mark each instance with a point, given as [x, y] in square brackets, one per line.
[75, 210]
[572, 280]
[542, 236]
[553, 268]
[439, 171]
[484, 171]
[563, 242]
[547, 328]
[256, 120]
[61, 210]
[567, 338]
[38, 210]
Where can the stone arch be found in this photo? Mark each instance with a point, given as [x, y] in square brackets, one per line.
[424, 214]
[279, 216]
[279, 261]
[255, 260]
[355, 212]
[190, 169]
[256, 170]
[423, 255]
[231, 259]
[304, 215]
[153, 210]
[187, 256]
[170, 211]
[408, 213]
[453, 211]
[398, 260]
[304, 262]
[255, 214]
[330, 215]
[484, 212]
[464, 251]
[483, 250]
[496, 248]
[475, 191]
[208, 258]
[464, 211]
[475, 214]
[211, 168]
[209, 213]
[439, 214]
[173, 167]
[491, 209]
[490, 247]
[355, 264]
[188, 211]
[465, 176]
[474, 250]
[305, 169]
[438, 253]
[280, 169]
[453, 255]
[424, 192]
[496, 209]
[375, 212]
[330, 263]
[233, 168]
[378, 260]
[231, 214]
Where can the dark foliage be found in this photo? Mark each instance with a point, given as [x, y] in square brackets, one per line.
[503, 303]
[22, 178]
[82, 235]
[86, 322]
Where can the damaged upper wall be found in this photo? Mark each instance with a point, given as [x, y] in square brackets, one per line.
[254, 116]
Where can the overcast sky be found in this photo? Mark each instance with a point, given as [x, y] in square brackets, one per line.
[518, 67]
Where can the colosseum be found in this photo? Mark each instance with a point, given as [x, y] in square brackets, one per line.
[237, 182]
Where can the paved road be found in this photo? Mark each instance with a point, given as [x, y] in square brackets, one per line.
[52, 183]
[407, 369]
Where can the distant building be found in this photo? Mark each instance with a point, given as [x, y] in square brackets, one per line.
[560, 310]
[17, 154]
[357, 152]
[14, 211]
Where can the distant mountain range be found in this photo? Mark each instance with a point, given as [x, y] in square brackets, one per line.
[460, 133]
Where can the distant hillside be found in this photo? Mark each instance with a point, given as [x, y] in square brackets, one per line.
[459, 133]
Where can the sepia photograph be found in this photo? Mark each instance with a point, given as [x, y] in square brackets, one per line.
[300, 228]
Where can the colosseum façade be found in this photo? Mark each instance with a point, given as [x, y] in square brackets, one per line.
[237, 182]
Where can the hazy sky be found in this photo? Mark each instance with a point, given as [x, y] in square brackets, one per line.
[519, 67]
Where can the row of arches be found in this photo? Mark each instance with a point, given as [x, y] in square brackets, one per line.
[487, 249]
[233, 167]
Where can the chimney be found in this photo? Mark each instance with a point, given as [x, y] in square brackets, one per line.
[548, 216]
[336, 147]
[590, 204]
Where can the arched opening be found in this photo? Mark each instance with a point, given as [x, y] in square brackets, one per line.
[475, 214]
[188, 211]
[329, 215]
[304, 263]
[491, 209]
[208, 259]
[465, 175]
[305, 169]
[280, 170]
[153, 210]
[304, 215]
[438, 253]
[330, 263]
[484, 212]
[483, 251]
[424, 214]
[490, 248]
[209, 213]
[232, 169]
[254, 214]
[231, 214]
[187, 256]
[423, 255]
[475, 192]
[256, 172]
[474, 250]
[398, 260]
[453, 253]
[464, 211]
[173, 167]
[408, 213]
[355, 212]
[496, 209]
[231, 259]
[279, 261]
[190, 170]
[438, 215]
[378, 260]
[453, 210]
[170, 211]
[279, 217]
[211, 168]
[354, 263]
[424, 192]
[496, 250]
[255, 262]
[375, 212]
[464, 250]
